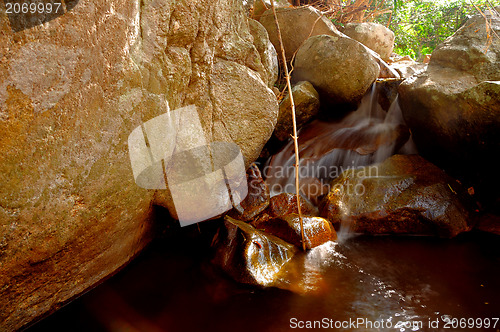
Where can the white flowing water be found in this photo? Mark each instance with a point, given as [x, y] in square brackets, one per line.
[364, 137]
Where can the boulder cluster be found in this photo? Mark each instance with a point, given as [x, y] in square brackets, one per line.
[73, 88]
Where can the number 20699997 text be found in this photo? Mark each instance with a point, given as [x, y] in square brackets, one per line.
[33, 7]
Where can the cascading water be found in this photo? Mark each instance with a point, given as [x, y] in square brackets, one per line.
[366, 136]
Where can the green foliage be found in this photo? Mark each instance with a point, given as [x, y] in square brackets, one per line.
[421, 25]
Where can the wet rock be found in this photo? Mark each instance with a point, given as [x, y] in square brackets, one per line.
[373, 35]
[70, 212]
[403, 195]
[306, 101]
[296, 25]
[388, 92]
[257, 199]
[268, 54]
[313, 189]
[249, 255]
[453, 108]
[285, 204]
[316, 229]
[489, 223]
[340, 68]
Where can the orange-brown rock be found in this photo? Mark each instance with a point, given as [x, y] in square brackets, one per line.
[249, 255]
[285, 204]
[71, 91]
[317, 230]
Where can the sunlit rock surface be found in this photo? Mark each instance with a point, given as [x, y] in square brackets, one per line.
[260, 6]
[71, 91]
[340, 68]
[267, 52]
[403, 195]
[406, 66]
[296, 26]
[373, 35]
[316, 229]
[249, 255]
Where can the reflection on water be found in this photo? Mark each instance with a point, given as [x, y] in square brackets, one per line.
[399, 281]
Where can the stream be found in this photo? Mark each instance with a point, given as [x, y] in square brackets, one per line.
[360, 283]
[400, 281]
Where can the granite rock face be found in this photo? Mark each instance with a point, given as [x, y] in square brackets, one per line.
[267, 52]
[373, 35]
[340, 68]
[453, 108]
[296, 26]
[403, 195]
[71, 91]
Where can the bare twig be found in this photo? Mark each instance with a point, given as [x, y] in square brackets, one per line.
[294, 122]
[489, 28]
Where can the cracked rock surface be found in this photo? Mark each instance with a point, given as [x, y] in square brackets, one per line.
[71, 91]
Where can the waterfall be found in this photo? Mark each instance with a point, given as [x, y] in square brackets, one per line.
[364, 137]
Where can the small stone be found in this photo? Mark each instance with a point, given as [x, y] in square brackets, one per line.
[317, 230]
[306, 101]
[285, 204]
[249, 255]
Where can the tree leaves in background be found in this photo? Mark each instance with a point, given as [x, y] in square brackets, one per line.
[421, 25]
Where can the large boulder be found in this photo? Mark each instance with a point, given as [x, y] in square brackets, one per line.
[453, 108]
[296, 26]
[71, 92]
[404, 195]
[373, 35]
[267, 52]
[306, 101]
[340, 68]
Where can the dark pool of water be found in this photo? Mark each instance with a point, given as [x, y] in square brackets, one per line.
[400, 281]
